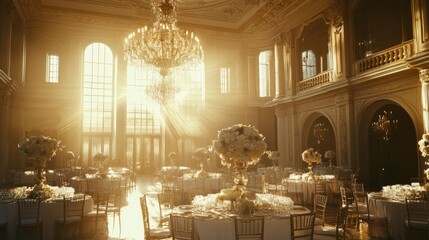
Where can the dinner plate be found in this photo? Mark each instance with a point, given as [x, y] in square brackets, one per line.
[185, 207]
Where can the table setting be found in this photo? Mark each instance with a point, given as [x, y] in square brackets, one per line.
[214, 214]
[390, 202]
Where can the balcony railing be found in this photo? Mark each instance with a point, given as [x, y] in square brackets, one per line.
[315, 81]
[383, 58]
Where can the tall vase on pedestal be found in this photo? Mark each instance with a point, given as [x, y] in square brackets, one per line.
[240, 174]
[311, 156]
[238, 147]
[40, 150]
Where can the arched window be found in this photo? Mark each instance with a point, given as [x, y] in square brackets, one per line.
[315, 49]
[97, 101]
[264, 73]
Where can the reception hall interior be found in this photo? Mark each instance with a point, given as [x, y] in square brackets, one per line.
[214, 119]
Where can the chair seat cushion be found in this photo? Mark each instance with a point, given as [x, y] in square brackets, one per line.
[30, 222]
[73, 219]
[159, 232]
[414, 224]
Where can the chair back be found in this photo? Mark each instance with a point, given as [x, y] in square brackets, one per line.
[346, 196]
[320, 187]
[320, 203]
[361, 203]
[145, 215]
[358, 187]
[302, 225]
[417, 210]
[341, 222]
[28, 209]
[73, 207]
[182, 227]
[249, 228]
[101, 201]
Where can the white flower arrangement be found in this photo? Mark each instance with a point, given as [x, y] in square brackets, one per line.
[424, 145]
[100, 157]
[70, 155]
[311, 156]
[239, 143]
[329, 154]
[37, 147]
[201, 154]
[273, 155]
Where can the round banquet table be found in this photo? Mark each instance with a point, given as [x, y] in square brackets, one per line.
[275, 227]
[307, 188]
[49, 211]
[395, 212]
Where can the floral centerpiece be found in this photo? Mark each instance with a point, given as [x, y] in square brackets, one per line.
[40, 149]
[239, 146]
[201, 155]
[239, 143]
[311, 156]
[70, 158]
[99, 158]
[424, 149]
[330, 155]
[274, 156]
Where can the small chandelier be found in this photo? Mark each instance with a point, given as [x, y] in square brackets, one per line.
[384, 125]
[319, 132]
[165, 45]
[163, 91]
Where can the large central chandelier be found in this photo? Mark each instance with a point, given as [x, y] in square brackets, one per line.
[164, 46]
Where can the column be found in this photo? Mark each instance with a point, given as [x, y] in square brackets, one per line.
[252, 74]
[281, 137]
[279, 65]
[287, 48]
[424, 79]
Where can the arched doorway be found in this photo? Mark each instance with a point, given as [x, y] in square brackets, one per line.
[392, 156]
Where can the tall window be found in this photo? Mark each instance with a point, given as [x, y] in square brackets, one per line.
[225, 80]
[264, 73]
[308, 64]
[52, 68]
[145, 119]
[315, 49]
[97, 100]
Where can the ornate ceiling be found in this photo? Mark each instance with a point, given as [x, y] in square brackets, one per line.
[227, 15]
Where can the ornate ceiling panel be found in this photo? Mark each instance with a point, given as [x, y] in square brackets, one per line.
[228, 14]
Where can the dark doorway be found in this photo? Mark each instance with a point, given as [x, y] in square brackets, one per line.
[321, 137]
[392, 156]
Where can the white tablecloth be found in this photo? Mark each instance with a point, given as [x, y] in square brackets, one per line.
[49, 211]
[215, 229]
[395, 212]
[307, 188]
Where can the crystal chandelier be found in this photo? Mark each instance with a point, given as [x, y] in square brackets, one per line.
[319, 132]
[163, 91]
[165, 45]
[384, 125]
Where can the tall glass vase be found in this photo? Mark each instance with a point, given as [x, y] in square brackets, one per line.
[40, 177]
[240, 174]
[310, 171]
